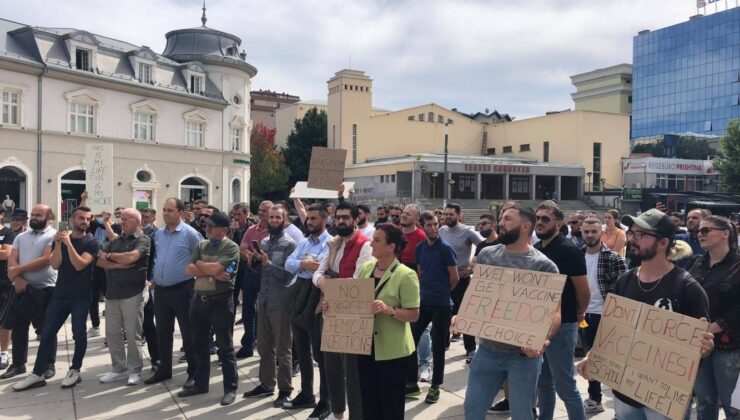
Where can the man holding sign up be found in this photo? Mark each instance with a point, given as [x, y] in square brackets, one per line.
[495, 361]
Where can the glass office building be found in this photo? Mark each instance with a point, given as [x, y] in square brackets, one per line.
[686, 77]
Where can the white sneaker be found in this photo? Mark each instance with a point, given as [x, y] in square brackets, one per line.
[333, 417]
[4, 360]
[113, 376]
[133, 379]
[30, 381]
[592, 406]
[425, 373]
[93, 332]
[72, 378]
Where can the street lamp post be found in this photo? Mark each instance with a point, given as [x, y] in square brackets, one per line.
[434, 184]
[449, 189]
[444, 182]
[590, 187]
[603, 198]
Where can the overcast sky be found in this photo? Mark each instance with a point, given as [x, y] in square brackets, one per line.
[514, 56]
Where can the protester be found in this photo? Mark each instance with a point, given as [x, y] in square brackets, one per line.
[575, 220]
[412, 234]
[691, 237]
[173, 288]
[306, 324]
[148, 221]
[148, 327]
[658, 282]
[383, 373]
[614, 237]
[677, 219]
[395, 215]
[19, 221]
[213, 264]
[72, 255]
[363, 223]
[495, 362]
[7, 294]
[437, 268]
[381, 215]
[252, 279]
[197, 207]
[125, 260]
[462, 238]
[486, 229]
[239, 226]
[349, 250]
[603, 267]
[718, 272]
[558, 362]
[275, 305]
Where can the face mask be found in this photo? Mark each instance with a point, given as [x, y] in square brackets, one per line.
[486, 233]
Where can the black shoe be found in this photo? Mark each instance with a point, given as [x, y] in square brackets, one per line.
[228, 398]
[191, 391]
[301, 401]
[501, 407]
[240, 321]
[155, 366]
[259, 391]
[13, 371]
[283, 398]
[413, 390]
[157, 378]
[320, 412]
[469, 356]
[50, 372]
[189, 383]
[296, 370]
[243, 353]
[534, 413]
[182, 359]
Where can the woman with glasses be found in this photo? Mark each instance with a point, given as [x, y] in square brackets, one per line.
[718, 271]
[613, 237]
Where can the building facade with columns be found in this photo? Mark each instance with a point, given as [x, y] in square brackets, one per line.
[178, 122]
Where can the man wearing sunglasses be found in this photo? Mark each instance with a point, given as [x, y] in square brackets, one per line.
[396, 215]
[575, 220]
[691, 237]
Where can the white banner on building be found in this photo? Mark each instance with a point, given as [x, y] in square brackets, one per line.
[99, 177]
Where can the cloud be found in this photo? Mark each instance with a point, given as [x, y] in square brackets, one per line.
[512, 56]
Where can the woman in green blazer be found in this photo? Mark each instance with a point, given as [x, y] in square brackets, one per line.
[383, 373]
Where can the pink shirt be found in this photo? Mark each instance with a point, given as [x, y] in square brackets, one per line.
[254, 233]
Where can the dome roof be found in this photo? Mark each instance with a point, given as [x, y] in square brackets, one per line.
[208, 46]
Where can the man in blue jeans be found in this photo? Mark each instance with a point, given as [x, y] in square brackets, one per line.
[494, 362]
[558, 372]
[72, 255]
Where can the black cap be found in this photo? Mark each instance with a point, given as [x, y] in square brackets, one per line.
[654, 220]
[219, 219]
[19, 214]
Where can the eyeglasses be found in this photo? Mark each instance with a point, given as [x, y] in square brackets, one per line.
[545, 219]
[705, 230]
[343, 217]
[639, 234]
[395, 216]
[484, 223]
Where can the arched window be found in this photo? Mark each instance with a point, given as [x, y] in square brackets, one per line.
[236, 191]
[12, 189]
[72, 187]
[192, 189]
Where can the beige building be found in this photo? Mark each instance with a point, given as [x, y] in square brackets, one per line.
[400, 153]
[285, 118]
[606, 90]
[265, 104]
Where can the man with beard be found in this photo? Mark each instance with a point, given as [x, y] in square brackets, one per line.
[603, 267]
[462, 238]
[396, 215]
[381, 215]
[306, 324]
[437, 268]
[495, 362]
[33, 277]
[19, 221]
[251, 284]
[412, 233]
[363, 222]
[72, 255]
[275, 306]
[575, 220]
[557, 368]
[693, 219]
[239, 225]
[486, 229]
[659, 282]
[348, 251]
[174, 245]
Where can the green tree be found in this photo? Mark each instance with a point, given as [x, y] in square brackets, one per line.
[728, 161]
[269, 174]
[309, 131]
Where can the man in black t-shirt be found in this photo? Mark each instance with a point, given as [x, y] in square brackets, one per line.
[557, 369]
[72, 255]
[6, 288]
[659, 282]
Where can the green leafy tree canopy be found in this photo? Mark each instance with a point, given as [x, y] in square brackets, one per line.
[309, 131]
[728, 161]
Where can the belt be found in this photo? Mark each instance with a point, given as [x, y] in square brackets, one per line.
[175, 286]
[219, 296]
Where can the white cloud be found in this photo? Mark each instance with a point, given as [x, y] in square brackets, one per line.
[513, 56]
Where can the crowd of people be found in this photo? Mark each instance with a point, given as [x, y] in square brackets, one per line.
[203, 263]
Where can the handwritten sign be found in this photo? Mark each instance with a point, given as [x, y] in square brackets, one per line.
[301, 190]
[99, 177]
[326, 170]
[649, 354]
[348, 323]
[509, 305]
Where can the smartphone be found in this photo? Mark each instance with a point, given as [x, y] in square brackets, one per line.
[63, 226]
[256, 246]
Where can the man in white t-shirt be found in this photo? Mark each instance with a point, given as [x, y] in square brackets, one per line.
[603, 267]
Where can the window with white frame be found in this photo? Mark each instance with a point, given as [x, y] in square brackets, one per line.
[81, 118]
[10, 103]
[146, 73]
[196, 85]
[82, 59]
[236, 139]
[196, 133]
[144, 124]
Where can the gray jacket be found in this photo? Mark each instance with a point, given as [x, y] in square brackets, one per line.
[276, 288]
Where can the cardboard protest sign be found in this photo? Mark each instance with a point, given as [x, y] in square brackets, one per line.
[510, 305]
[348, 323]
[649, 354]
[326, 170]
[301, 190]
[99, 177]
